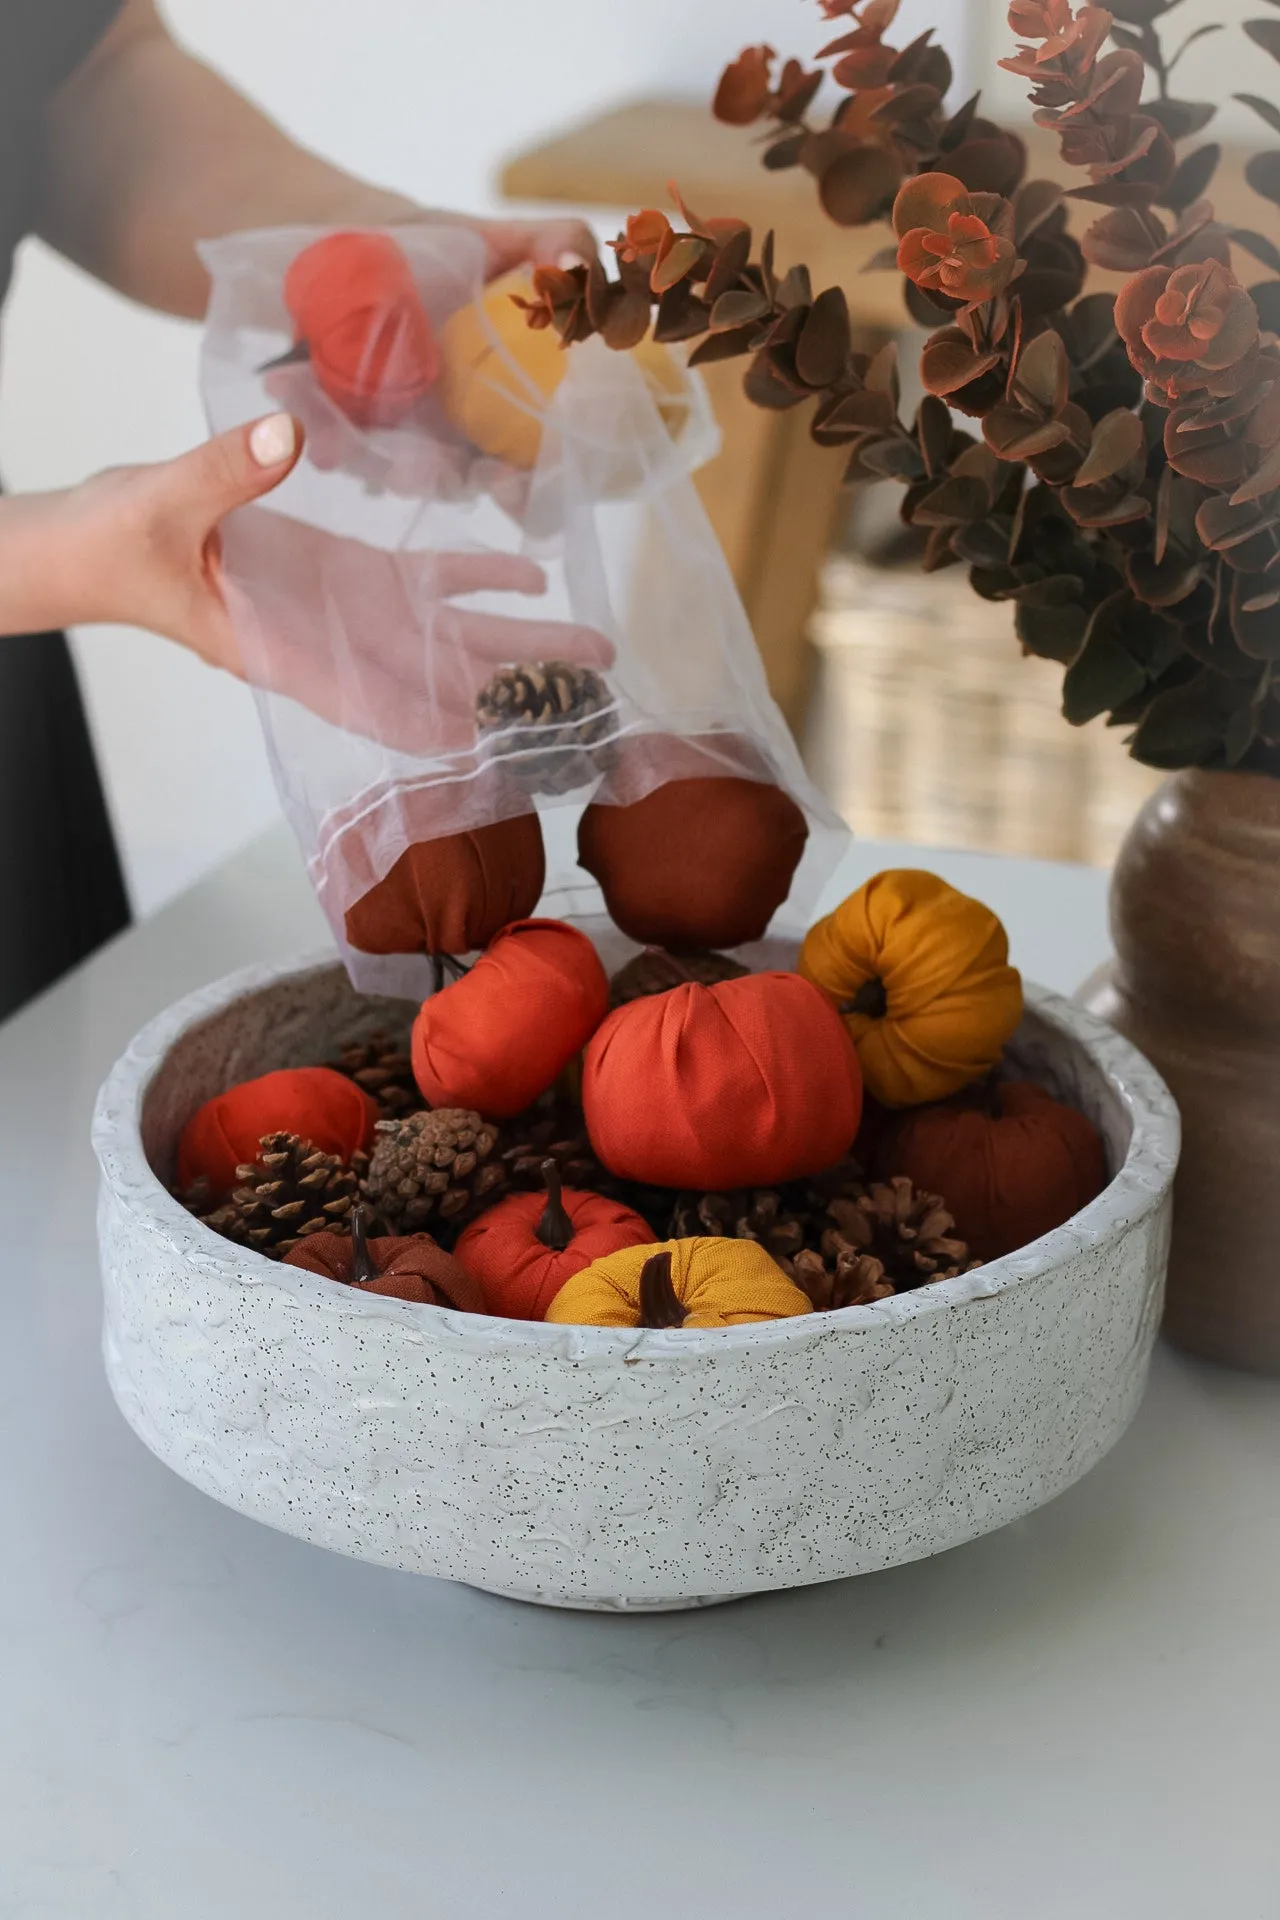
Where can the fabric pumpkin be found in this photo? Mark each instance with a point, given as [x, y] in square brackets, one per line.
[411, 1267]
[451, 895]
[698, 863]
[317, 1103]
[356, 309]
[499, 1036]
[680, 1283]
[497, 375]
[524, 1249]
[921, 976]
[744, 1084]
[1012, 1161]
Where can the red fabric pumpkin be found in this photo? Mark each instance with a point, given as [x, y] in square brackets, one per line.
[744, 1084]
[523, 1250]
[451, 895]
[319, 1104]
[409, 1267]
[498, 1037]
[1010, 1161]
[697, 863]
[353, 302]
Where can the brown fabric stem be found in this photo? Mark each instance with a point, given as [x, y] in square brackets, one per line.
[870, 999]
[659, 1305]
[363, 1269]
[555, 1229]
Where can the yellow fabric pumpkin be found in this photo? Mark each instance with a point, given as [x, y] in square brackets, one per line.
[692, 1283]
[921, 975]
[490, 400]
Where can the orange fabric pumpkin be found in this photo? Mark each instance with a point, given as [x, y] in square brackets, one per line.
[703, 861]
[744, 1084]
[524, 1249]
[1012, 1161]
[398, 1268]
[498, 1037]
[451, 895]
[680, 1283]
[319, 1104]
[354, 304]
[921, 975]
[408, 1267]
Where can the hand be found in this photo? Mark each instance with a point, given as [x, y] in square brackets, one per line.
[369, 639]
[518, 243]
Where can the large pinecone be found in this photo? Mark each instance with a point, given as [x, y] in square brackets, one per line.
[380, 1065]
[290, 1191]
[909, 1233]
[545, 720]
[761, 1214]
[433, 1171]
[654, 971]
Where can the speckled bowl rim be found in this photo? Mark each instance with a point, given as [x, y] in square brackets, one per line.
[1136, 1190]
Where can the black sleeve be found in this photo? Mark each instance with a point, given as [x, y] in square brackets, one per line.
[42, 42]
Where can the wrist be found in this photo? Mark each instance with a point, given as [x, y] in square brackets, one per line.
[39, 574]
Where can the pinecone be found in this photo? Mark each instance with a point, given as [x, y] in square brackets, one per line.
[433, 1170]
[290, 1191]
[654, 971]
[908, 1233]
[549, 1131]
[545, 720]
[381, 1066]
[855, 1280]
[761, 1215]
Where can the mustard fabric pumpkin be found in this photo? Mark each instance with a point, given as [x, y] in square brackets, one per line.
[692, 1283]
[498, 405]
[921, 976]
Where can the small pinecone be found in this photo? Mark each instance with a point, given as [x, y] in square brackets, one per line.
[290, 1191]
[433, 1170]
[760, 1215]
[544, 722]
[855, 1280]
[549, 1131]
[654, 971]
[909, 1234]
[381, 1066]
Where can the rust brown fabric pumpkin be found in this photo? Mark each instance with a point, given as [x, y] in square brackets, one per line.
[703, 861]
[1012, 1161]
[524, 1249]
[452, 895]
[411, 1267]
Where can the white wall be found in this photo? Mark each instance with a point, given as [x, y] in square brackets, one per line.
[426, 95]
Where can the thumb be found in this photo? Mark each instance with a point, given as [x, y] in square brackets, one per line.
[234, 468]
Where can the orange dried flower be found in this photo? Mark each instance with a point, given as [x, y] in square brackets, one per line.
[1189, 329]
[946, 245]
[1070, 43]
[647, 235]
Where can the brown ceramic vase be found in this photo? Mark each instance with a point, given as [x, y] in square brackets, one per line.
[1195, 984]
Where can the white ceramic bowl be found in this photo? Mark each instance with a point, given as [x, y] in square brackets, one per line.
[586, 1467]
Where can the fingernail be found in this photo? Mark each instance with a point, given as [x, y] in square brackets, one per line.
[273, 439]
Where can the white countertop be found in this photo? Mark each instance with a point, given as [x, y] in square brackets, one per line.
[204, 1720]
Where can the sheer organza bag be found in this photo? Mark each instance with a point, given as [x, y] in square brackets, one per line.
[487, 599]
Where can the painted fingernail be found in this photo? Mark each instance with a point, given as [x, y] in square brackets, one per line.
[273, 439]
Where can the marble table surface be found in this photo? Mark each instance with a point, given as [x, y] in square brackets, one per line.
[202, 1718]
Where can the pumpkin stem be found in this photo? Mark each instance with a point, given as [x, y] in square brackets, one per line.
[988, 1092]
[363, 1267]
[555, 1229]
[659, 1304]
[870, 999]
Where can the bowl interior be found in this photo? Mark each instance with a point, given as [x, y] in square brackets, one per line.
[302, 1019]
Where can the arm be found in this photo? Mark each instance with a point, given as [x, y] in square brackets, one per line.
[147, 151]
